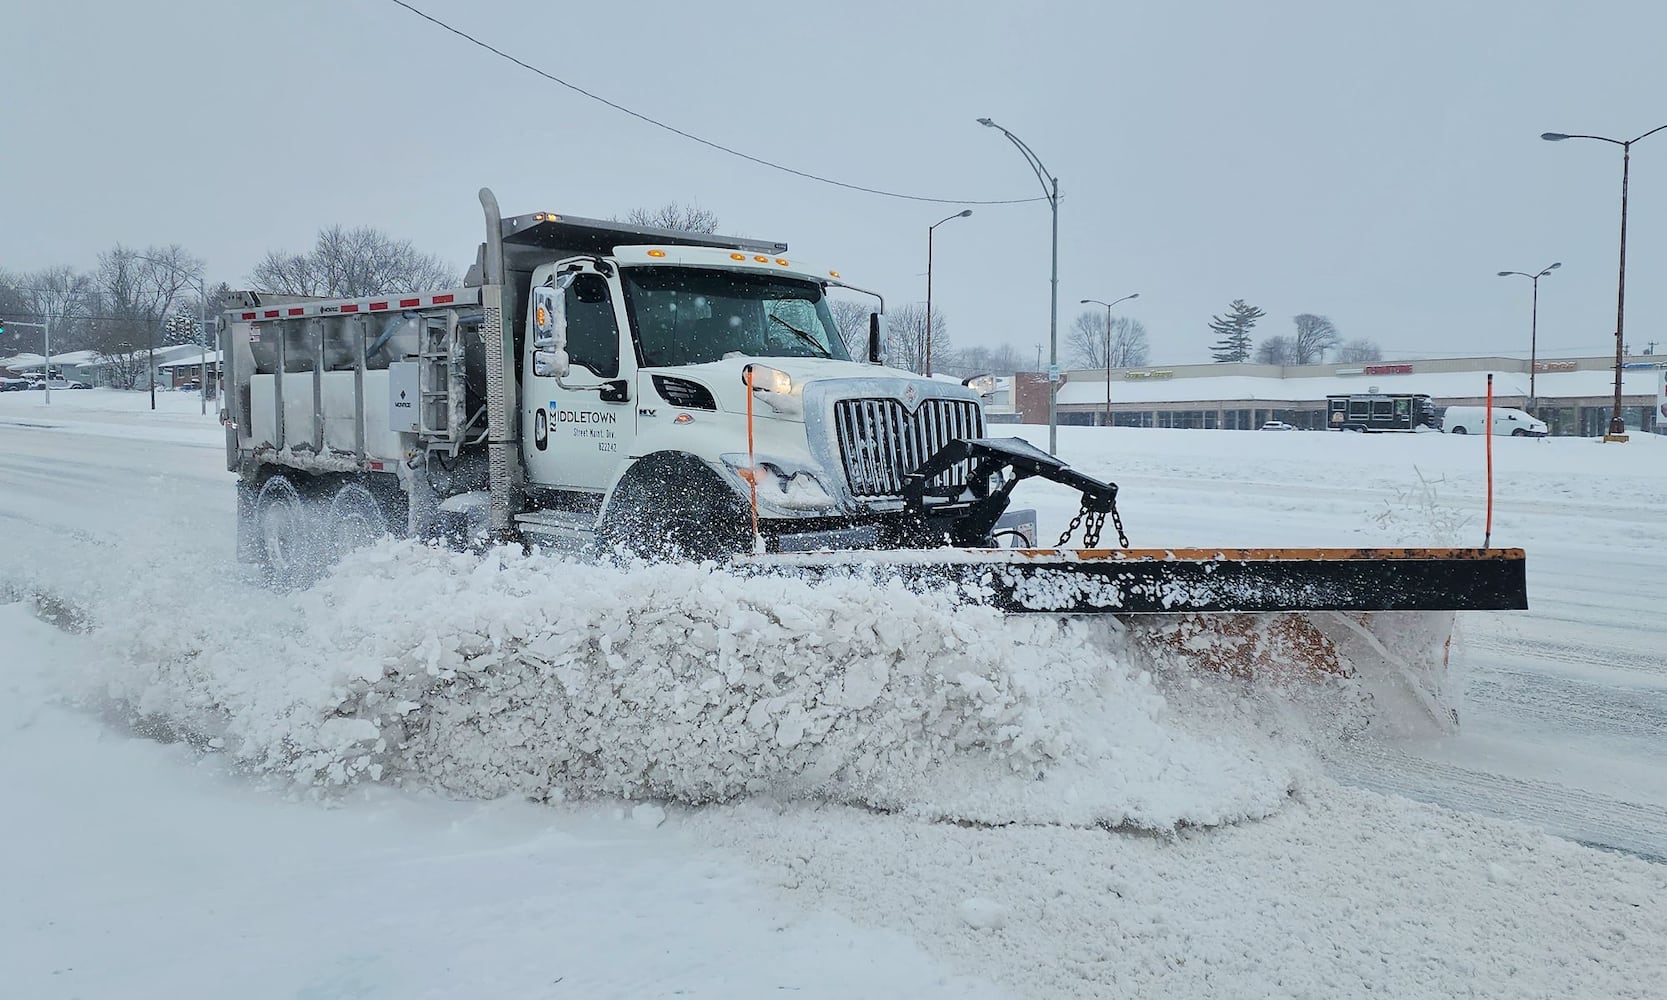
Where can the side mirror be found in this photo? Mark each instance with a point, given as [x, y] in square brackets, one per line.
[550, 364]
[877, 338]
[549, 323]
[546, 301]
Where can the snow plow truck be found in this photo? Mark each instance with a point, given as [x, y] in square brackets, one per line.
[600, 386]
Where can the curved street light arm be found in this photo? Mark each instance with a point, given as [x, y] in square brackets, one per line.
[1651, 132]
[1042, 173]
[1559, 137]
[957, 215]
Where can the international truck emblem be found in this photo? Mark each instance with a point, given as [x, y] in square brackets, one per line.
[909, 395]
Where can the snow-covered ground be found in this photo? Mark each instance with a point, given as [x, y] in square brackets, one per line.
[155, 868]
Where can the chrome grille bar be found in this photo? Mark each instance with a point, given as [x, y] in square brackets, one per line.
[880, 441]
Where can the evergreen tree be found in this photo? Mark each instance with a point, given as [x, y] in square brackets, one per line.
[1234, 330]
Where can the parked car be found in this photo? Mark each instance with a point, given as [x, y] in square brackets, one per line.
[1277, 425]
[13, 384]
[1507, 420]
[57, 383]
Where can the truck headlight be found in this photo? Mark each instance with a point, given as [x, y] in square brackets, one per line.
[774, 388]
[767, 379]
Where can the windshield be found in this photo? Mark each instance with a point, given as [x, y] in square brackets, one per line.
[689, 316]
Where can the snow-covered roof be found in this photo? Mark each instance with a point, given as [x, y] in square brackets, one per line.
[193, 360]
[1450, 385]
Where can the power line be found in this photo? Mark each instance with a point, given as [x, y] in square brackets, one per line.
[690, 135]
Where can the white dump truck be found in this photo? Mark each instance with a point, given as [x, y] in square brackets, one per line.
[591, 382]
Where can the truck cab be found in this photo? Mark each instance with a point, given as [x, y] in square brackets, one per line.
[674, 382]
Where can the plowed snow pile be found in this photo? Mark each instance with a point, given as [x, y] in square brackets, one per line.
[529, 674]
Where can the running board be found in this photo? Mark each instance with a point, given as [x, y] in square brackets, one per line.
[1175, 581]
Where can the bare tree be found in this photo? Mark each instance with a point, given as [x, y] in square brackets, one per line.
[1358, 350]
[906, 336]
[350, 263]
[1087, 343]
[1315, 336]
[671, 215]
[851, 319]
[979, 360]
[1275, 350]
[136, 291]
[61, 296]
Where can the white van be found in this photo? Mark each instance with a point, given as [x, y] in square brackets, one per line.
[1506, 420]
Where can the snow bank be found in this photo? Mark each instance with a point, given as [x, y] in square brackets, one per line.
[533, 675]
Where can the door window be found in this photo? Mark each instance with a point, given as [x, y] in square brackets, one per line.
[592, 332]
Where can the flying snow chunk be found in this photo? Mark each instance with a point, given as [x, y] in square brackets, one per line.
[983, 914]
[647, 815]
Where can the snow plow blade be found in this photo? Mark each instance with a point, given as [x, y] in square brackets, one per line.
[1180, 581]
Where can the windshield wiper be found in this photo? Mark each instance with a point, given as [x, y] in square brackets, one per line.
[807, 338]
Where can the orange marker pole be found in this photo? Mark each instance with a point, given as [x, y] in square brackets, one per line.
[752, 466]
[1487, 423]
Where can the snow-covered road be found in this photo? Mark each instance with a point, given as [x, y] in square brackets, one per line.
[155, 871]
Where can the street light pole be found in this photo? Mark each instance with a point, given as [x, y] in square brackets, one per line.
[1617, 426]
[1533, 324]
[1050, 187]
[1108, 305]
[958, 215]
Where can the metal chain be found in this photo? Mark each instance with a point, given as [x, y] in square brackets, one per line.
[1096, 523]
[1076, 522]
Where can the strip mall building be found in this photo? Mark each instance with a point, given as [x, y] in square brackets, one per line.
[1573, 395]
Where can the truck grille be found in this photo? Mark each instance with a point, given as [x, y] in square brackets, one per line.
[880, 441]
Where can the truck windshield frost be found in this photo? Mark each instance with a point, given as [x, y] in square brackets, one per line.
[690, 315]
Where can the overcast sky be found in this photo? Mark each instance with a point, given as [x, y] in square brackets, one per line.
[1375, 163]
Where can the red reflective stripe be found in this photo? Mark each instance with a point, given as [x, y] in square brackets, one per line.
[248, 315]
[271, 314]
[375, 306]
[441, 300]
[296, 310]
[350, 308]
[408, 303]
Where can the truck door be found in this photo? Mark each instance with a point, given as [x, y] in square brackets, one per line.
[579, 427]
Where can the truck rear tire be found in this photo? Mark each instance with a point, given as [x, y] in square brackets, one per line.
[356, 518]
[675, 507]
[1457, 430]
[286, 543]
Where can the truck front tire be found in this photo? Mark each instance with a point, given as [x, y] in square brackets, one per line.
[674, 507]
